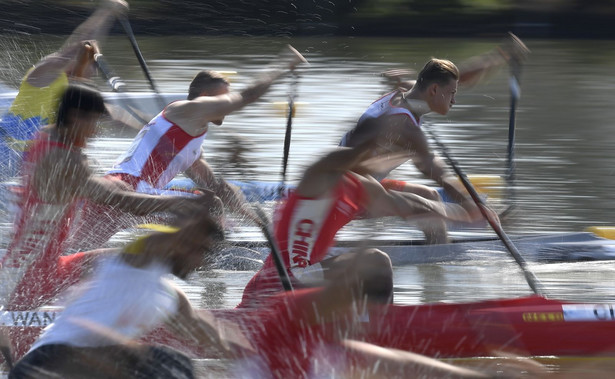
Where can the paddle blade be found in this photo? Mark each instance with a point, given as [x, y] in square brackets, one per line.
[490, 185]
[281, 107]
[602, 231]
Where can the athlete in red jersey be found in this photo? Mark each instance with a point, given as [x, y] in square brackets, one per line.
[56, 177]
[334, 191]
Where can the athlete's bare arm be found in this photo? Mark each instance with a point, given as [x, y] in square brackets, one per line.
[52, 66]
[64, 175]
[193, 115]
[473, 70]
[324, 174]
[413, 140]
[387, 203]
[94, 28]
[207, 330]
[203, 175]
[97, 25]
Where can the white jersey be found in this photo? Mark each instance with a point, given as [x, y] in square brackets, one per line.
[379, 108]
[383, 107]
[121, 299]
[158, 153]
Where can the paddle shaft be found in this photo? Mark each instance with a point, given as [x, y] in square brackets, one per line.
[275, 250]
[135, 47]
[289, 123]
[515, 95]
[532, 281]
[514, 98]
[115, 82]
[117, 85]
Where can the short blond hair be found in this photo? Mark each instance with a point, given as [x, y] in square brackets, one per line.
[440, 71]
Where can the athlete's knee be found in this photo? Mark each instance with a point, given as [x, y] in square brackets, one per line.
[431, 194]
[376, 275]
[375, 259]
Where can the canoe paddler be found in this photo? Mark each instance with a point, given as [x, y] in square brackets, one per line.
[171, 144]
[37, 101]
[129, 295]
[398, 116]
[335, 190]
[56, 178]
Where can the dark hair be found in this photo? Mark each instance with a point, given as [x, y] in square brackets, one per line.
[205, 80]
[439, 71]
[81, 98]
[214, 228]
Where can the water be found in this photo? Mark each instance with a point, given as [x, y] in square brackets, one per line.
[564, 175]
[565, 163]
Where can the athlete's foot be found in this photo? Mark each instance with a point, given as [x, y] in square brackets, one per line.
[435, 232]
[436, 239]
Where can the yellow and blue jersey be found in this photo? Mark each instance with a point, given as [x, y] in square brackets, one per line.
[32, 108]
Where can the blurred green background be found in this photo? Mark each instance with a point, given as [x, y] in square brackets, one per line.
[408, 18]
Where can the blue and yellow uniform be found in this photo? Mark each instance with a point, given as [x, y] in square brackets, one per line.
[32, 108]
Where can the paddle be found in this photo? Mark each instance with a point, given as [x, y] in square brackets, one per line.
[515, 94]
[515, 64]
[532, 281]
[115, 82]
[291, 110]
[135, 47]
[275, 250]
[117, 85]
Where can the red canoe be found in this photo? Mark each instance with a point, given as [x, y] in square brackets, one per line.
[527, 326]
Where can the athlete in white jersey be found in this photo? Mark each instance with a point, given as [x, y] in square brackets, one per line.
[171, 144]
[397, 118]
[384, 107]
[130, 295]
[160, 151]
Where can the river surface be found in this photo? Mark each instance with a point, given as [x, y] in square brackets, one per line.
[565, 165]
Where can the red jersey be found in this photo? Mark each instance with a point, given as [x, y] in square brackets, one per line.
[32, 271]
[286, 342]
[305, 229]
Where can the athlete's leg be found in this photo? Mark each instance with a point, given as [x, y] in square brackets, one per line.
[434, 228]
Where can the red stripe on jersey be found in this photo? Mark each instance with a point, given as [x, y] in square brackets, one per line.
[167, 148]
